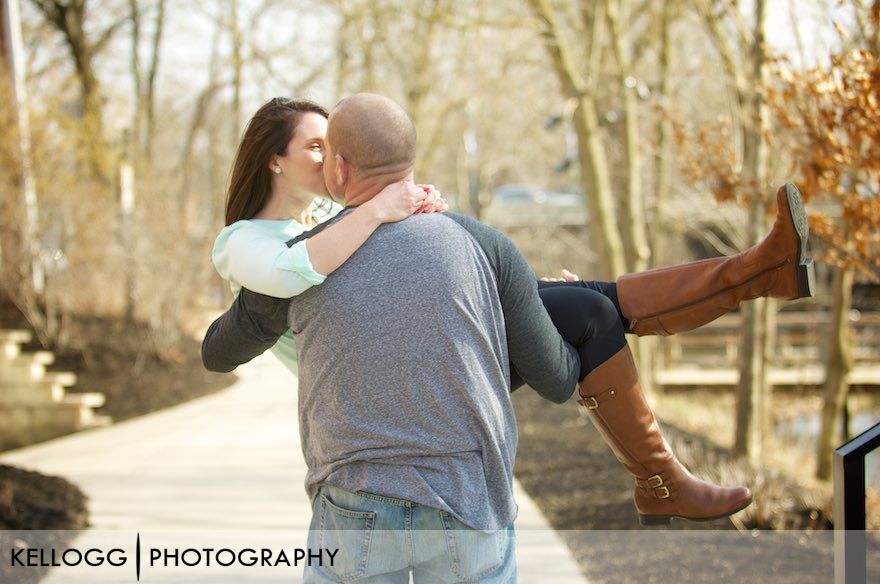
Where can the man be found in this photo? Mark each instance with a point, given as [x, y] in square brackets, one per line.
[406, 421]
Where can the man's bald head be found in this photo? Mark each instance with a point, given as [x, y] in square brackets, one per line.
[373, 134]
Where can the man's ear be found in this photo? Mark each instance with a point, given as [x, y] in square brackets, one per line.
[344, 169]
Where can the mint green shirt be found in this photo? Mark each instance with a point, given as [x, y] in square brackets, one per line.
[253, 254]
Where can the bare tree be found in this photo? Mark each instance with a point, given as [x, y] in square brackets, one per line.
[633, 224]
[663, 162]
[152, 72]
[416, 53]
[743, 54]
[237, 63]
[144, 117]
[71, 19]
[23, 269]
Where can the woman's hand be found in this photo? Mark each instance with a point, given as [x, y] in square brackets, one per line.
[399, 200]
[330, 248]
[434, 202]
[566, 277]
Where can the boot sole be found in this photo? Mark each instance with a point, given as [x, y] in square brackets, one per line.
[651, 520]
[806, 271]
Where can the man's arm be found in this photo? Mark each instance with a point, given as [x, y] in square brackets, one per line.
[538, 354]
[253, 324]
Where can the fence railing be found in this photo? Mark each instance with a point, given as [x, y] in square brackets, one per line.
[707, 356]
[850, 537]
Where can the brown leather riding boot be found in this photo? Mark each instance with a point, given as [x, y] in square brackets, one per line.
[664, 487]
[665, 301]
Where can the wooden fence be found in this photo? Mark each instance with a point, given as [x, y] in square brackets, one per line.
[708, 355]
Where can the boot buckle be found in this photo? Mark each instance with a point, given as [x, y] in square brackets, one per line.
[663, 490]
[659, 482]
[589, 402]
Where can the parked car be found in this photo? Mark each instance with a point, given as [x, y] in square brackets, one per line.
[517, 194]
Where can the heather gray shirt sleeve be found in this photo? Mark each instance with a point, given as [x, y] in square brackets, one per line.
[538, 354]
[251, 326]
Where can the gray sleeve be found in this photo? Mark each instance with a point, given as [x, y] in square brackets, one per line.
[252, 325]
[538, 354]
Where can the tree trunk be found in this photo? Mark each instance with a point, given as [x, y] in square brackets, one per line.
[632, 225]
[658, 231]
[765, 398]
[137, 77]
[343, 51]
[663, 154]
[92, 123]
[70, 20]
[126, 233]
[25, 293]
[874, 41]
[418, 83]
[150, 89]
[237, 64]
[840, 362]
[753, 379]
[600, 193]
[5, 40]
[369, 42]
[12, 80]
[469, 181]
[95, 150]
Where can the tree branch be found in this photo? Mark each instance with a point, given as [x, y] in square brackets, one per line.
[732, 65]
[560, 54]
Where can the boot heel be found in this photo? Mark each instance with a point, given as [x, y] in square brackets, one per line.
[806, 278]
[648, 520]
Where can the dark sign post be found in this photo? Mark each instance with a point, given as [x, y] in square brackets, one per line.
[850, 543]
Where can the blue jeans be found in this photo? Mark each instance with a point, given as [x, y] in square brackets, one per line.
[382, 539]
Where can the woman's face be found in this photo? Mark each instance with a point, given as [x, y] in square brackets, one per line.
[301, 167]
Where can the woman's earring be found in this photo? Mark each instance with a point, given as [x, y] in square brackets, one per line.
[277, 170]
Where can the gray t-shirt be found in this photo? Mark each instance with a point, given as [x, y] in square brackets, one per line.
[418, 311]
[403, 384]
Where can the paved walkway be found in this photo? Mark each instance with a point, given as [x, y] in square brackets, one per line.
[229, 466]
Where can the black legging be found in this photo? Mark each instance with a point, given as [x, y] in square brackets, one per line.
[587, 315]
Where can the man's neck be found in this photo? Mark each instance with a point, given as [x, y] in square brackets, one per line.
[360, 196]
[361, 191]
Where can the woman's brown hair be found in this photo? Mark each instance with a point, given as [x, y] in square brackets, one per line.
[266, 135]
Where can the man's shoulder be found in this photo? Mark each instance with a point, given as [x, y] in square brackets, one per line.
[459, 218]
[470, 224]
[487, 237]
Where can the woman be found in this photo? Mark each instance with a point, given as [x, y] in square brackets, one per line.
[592, 316]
